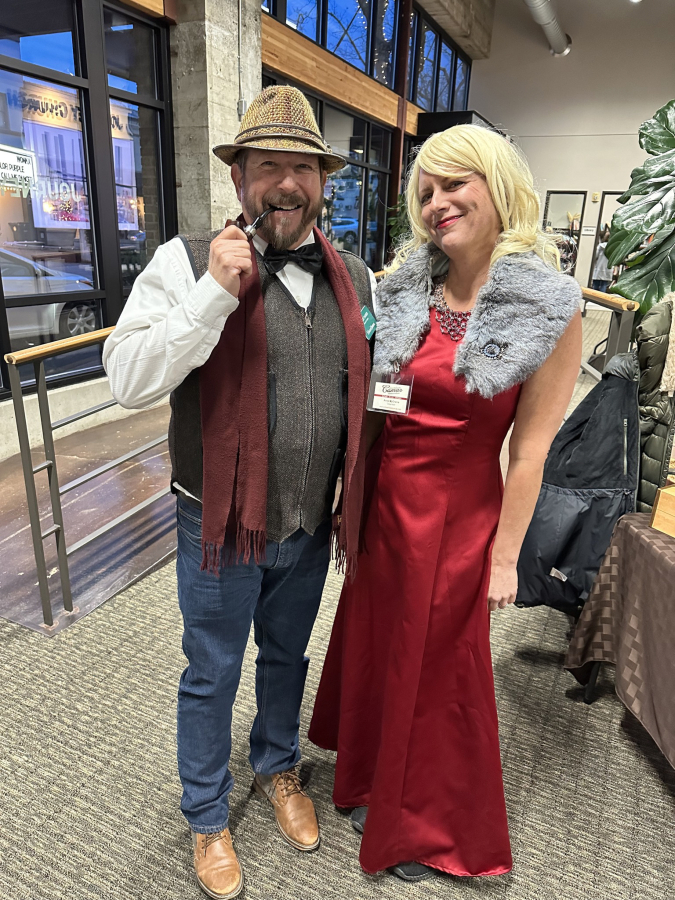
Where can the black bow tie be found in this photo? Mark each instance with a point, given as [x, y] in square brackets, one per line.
[309, 257]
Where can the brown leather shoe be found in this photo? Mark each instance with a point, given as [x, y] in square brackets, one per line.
[294, 810]
[218, 871]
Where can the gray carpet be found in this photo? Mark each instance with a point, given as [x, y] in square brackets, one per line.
[89, 790]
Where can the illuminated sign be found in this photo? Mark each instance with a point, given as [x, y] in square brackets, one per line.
[16, 166]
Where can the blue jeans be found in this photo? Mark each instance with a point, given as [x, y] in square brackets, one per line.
[281, 597]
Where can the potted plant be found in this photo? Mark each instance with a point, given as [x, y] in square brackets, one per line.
[642, 234]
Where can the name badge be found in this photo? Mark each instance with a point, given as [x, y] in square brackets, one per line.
[390, 393]
[369, 322]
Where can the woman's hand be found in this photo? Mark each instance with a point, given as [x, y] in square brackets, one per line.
[503, 586]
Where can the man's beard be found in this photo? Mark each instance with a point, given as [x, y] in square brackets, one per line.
[275, 228]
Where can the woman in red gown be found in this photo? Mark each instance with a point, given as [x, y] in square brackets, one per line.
[488, 332]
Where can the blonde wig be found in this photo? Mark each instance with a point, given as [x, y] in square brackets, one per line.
[461, 150]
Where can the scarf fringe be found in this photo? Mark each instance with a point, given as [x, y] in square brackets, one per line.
[249, 542]
[337, 552]
[345, 564]
[212, 557]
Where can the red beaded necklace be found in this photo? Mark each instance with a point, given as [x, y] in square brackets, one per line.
[451, 321]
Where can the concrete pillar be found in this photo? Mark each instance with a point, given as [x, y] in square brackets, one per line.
[205, 84]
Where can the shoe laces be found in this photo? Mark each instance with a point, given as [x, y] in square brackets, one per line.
[288, 783]
[216, 836]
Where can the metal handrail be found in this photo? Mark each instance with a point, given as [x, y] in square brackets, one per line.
[619, 333]
[56, 348]
[36, 356]
[610, 301]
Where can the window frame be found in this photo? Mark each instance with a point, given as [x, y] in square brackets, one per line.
[366, 166]
[94, 98]
[278, 10]
[442, 37]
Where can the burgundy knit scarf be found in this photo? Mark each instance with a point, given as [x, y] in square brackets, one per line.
[233, 391]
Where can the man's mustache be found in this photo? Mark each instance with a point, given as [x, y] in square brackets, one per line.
[290, 201]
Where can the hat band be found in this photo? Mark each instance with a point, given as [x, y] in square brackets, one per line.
[281, 136]
[266, 125]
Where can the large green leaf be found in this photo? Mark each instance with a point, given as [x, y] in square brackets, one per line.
[621, 244]
[649, 207]
[657, 135]
[652, 279]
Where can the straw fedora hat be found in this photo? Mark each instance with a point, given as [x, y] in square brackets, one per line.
[280, 118]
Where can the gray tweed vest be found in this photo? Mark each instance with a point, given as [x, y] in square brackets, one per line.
[306, 405]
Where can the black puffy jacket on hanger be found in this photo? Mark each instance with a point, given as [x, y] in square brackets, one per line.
[590, 480]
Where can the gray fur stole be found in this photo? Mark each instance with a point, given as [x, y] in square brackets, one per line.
[520, 314]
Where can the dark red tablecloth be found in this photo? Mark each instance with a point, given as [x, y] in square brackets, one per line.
[629, 621]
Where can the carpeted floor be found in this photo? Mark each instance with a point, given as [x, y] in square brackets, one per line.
[89, 792]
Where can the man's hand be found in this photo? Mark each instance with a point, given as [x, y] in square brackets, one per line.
[230, 257]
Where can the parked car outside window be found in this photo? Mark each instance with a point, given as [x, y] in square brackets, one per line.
[23, 277]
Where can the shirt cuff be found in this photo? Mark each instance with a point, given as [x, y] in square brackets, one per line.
[211, 302]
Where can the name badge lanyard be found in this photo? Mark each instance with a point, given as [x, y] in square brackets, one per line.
[390, 392]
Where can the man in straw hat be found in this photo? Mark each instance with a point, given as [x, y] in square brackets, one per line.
[254, 340]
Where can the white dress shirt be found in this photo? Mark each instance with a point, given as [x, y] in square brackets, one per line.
[171, 323]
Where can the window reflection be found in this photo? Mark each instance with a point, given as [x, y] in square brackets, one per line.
[380, 142]
[445, 72]
[303, 15]
[342, 208]
[32, 325]
[376, 220]
[344, 133]
[384, 25]
[461, 84]
[134, 137]
[45, 228]
[129, 54]
[426, 68]
[347, 31]
[38, 32]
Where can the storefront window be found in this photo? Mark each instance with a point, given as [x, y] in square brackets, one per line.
[129, 53]
[384, 25]
[45, 226]
[303, 15]
[134, 138]
[347, 31]
[40, 33]
[445, 73]
[60, 143]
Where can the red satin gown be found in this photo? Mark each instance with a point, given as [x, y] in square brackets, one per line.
[407, 693]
